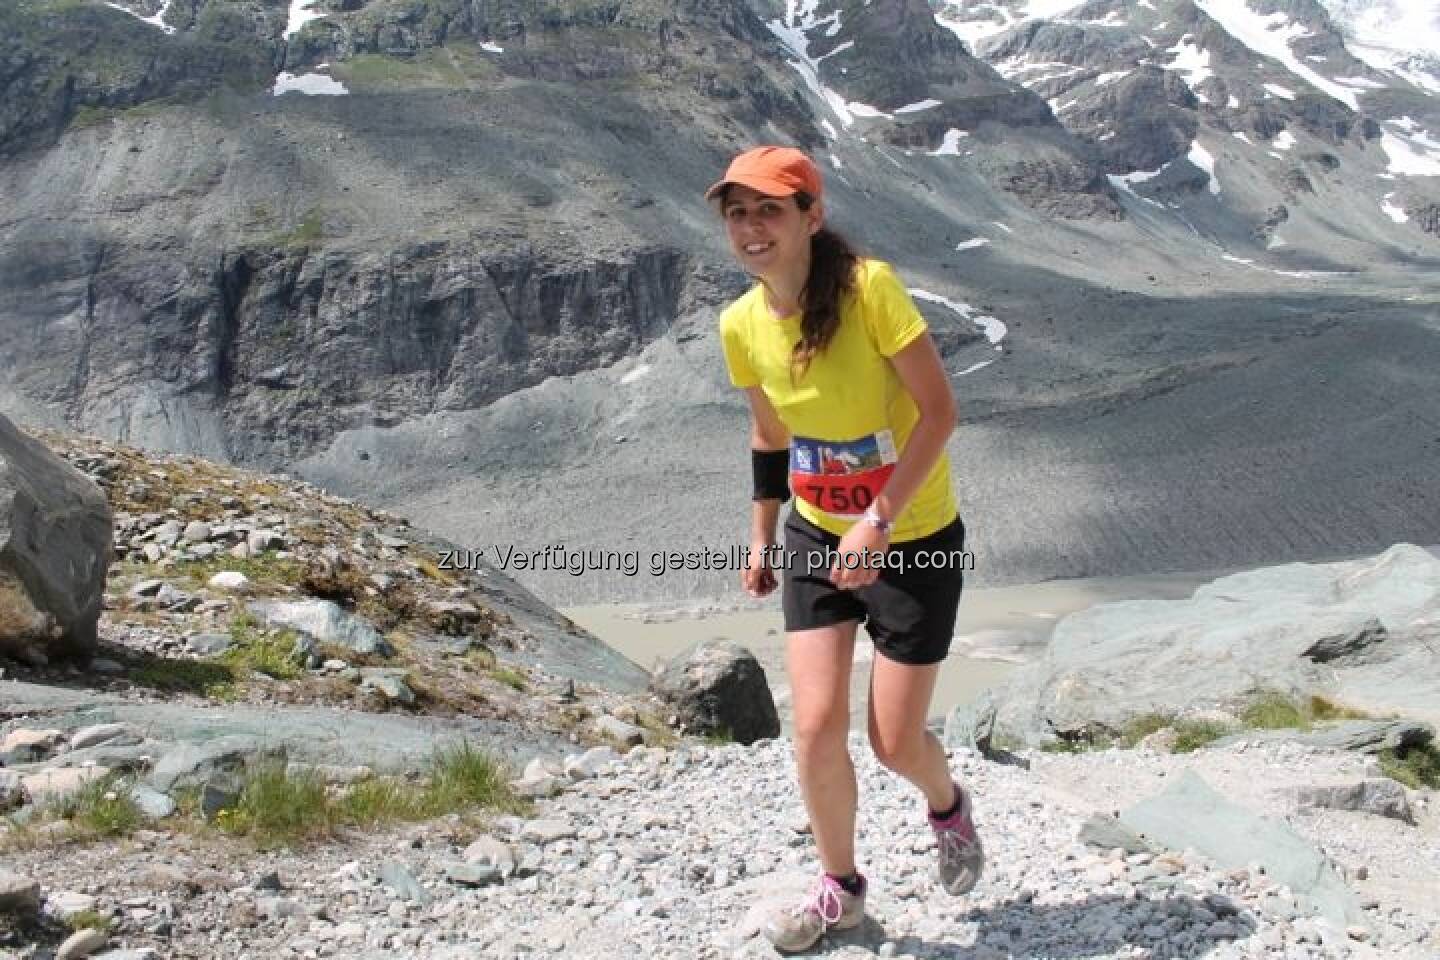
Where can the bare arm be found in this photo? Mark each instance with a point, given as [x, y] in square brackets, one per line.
[766, 433]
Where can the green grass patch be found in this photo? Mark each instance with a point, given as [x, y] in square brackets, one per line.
[101, 808]
[1191, 735]
[511, 677]
[264, 569]
[203, 677]
[278, 808]
[305, 234]
[271, 653]
[1416, 767]
[89, 920]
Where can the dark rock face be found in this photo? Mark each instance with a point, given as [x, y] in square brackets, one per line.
[718, 687]
[301, 345]
[1426, 217]
[55, 546]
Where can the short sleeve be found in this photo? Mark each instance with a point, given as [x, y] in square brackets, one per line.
[737, 352]
[890, 313]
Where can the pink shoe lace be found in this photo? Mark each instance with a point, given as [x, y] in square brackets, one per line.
[823, 901]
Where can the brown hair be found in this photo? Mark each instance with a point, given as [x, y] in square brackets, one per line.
[832, 275]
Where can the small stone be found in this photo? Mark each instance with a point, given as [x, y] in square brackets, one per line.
[81, 943]
[65, 904]
[196, 531]
[473, 874]
[547, 831]
[232, 581]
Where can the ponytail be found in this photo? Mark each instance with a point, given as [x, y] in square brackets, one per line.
[832, 275]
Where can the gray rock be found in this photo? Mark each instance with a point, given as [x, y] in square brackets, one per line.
[325, 622]
[389, 683]
[55, 550]
[81, 943]
[116, 734]
[591, 763]
[18, 894]
[209, 644]
[1108, 833]
[152, 803]
[547, 831]
[493, 852]
[1381, 798]
[1188, 814]
[261, 540]
[401, 882]
[190, 765]
[196, 531]
[618, 730]
[137, 953]
[1113, 662]
[473, 874]
[718, 687]
[220, 792]
[230, 580]
[12, 793]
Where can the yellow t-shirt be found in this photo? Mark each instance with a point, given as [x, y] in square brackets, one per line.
[849, 415]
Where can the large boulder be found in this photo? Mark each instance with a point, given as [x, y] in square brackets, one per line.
[55, 550]
[717, 687]
[1361, 632]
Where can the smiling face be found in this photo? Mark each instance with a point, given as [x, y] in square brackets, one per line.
[769, 235]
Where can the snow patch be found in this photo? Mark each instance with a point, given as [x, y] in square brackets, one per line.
[1412, 151]
[917, 107]
[993, 329]
[1284, 140]
[1192, 63]
[1105, 79]
[300, 14]
[489, 47]
[1271, 36]
[156, 21]
[973, 243]
[1388, 207]
[1399, 37]
[950, 146]
[311, 84]
[1205, 160]
[793, 32]
[636, 374]
[1284, 93]
[1240, 135]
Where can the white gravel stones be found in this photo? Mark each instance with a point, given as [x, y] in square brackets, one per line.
[680, 855]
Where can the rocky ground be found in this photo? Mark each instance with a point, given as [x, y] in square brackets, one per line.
[681, 853]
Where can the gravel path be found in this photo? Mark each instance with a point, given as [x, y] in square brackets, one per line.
[680, 854]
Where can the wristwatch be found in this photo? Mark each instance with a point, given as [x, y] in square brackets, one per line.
[873, 518]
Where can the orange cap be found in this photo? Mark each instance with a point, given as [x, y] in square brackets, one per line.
[773, 171]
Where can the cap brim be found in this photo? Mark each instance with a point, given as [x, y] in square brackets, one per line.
[765, 185]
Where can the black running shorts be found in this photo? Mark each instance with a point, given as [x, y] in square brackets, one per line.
[909, 611]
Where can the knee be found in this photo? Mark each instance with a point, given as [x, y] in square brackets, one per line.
[898, 750]
[820, 737]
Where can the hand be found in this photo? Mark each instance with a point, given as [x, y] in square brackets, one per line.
[757, 578]
[864, 541]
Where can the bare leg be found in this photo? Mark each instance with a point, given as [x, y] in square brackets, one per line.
[818, 662]
[899, 703]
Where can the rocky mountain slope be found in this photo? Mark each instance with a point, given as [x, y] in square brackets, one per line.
[444, 254]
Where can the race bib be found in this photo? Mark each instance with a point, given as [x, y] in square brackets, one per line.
[841, 478]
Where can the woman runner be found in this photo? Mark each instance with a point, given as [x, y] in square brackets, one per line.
[850, 409]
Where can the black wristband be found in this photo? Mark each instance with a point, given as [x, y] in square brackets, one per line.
[772, 474]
